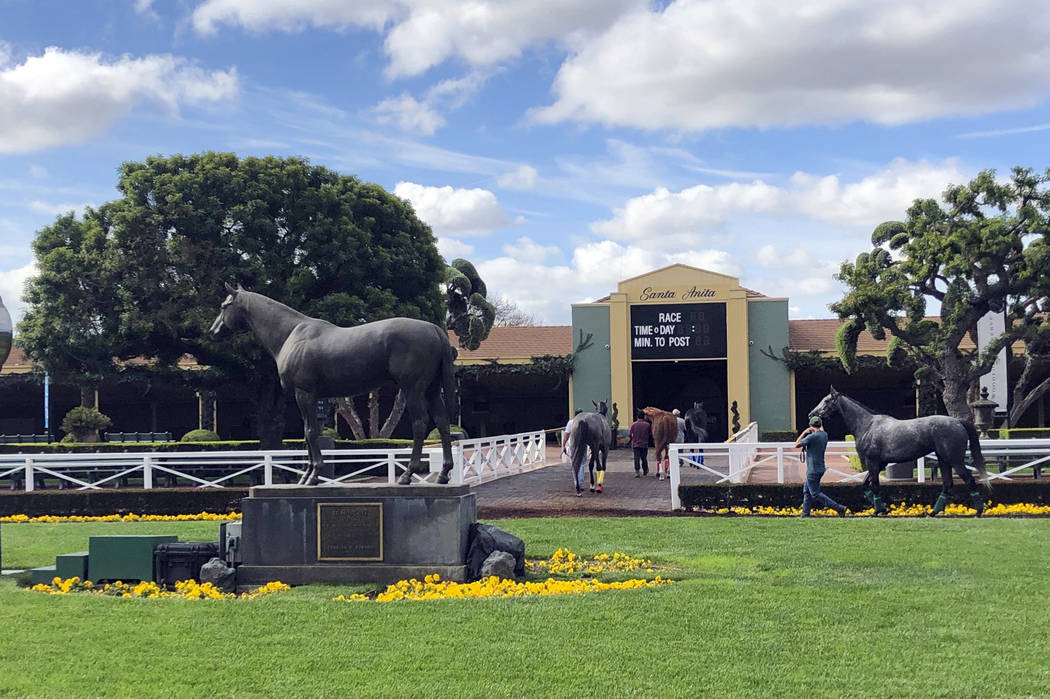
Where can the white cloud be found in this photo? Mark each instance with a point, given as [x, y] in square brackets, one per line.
[421, 34]
[522, 178]
[528, 250]
[37, 172]
[59, 209]
[409, 115]
[450, 248]
[66, 97]
[691, 216]
[707, 64]
[548, 290]
[454, 212]
[11, 283]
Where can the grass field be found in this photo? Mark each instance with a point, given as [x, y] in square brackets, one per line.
[762, 607]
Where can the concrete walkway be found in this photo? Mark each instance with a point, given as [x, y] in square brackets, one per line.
[549, 491]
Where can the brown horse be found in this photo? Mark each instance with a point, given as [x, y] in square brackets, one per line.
[665, 429]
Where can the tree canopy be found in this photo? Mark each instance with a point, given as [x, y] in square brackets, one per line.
[986, 250]
[470, 315]
[150, 266]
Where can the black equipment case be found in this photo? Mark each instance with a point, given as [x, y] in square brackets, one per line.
[182, 560]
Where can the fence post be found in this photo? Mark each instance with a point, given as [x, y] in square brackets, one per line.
[780, 464]
[147, 473]
[676, 476]
[921, 463]
[457, 463]
[268, 469]
[29, 474]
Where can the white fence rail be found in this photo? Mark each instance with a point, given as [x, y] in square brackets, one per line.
[734, 462]
[474, 461]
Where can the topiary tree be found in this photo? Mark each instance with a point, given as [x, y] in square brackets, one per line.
[470, 315]
[200, 435]
[83, 424]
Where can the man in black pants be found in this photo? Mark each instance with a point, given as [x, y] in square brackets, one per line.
[639, 434]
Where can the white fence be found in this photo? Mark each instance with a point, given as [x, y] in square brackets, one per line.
[474, 461]
[733, 462]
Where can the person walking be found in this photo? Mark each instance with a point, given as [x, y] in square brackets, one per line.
[639, 436]
[566, 453]
[681, 426]
[815, 441]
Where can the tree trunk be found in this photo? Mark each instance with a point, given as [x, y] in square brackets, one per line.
[206, 416]
[1023, 404]
[396, 411]
[373, 414]
[269, 407]
[87, 396]
[956, 384]
[345, 407]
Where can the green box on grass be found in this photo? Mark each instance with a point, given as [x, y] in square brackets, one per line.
[124, 557]
[42, 575]
[70, 565]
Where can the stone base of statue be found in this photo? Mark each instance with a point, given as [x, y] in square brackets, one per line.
[354, 533]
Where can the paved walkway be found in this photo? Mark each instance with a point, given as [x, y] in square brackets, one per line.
[549, 491]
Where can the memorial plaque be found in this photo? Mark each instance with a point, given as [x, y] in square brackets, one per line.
[350, 531]
[678, 331]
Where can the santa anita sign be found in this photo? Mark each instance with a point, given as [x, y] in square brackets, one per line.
[681, 334]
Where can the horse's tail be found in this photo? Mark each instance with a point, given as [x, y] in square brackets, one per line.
[580, 438]
[975, 453]
[448, 383]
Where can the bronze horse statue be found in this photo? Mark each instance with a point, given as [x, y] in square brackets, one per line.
[883, 440]
[591, 431]
[665, 430]
[316, 359]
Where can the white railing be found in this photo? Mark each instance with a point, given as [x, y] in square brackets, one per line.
[474, 461]
[735, 462]
[488, 458]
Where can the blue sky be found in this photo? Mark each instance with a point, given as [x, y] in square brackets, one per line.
[561, 146]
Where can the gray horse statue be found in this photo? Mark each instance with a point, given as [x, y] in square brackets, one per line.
[591, 431]
[316, 359]
[883, 440]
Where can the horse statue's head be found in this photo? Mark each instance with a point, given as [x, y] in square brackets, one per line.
[600, 407]
[827, 404]
[231, 313]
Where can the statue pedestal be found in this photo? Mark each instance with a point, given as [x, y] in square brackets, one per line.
[354, 533]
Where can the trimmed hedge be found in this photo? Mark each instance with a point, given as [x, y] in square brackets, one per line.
[247, 445]
[713, 497]
[174, 501]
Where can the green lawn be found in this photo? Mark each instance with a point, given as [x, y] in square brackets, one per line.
[763, 607]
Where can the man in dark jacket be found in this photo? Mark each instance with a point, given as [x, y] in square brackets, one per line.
[639, 434]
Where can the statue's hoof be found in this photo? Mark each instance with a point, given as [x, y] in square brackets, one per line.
[442, 479]
[405, 479]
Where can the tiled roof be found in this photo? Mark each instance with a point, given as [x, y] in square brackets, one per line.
[521, 342]
[819, 335]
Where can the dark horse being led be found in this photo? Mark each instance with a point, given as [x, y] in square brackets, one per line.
[316, 359]
[883, 440]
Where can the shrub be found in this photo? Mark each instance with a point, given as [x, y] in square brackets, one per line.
[84, 424]
[453, 429]
[201, 436]
[330, 432]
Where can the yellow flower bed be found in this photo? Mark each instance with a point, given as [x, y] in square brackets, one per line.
[433, 587]
[130, 517]
[184, 589]
[901, 510]
[567, 562]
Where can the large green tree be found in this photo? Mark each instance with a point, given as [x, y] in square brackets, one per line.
[71, 327]
[324, 243]
[987, 249]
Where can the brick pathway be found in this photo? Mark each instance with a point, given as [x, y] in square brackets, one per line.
[549, 491]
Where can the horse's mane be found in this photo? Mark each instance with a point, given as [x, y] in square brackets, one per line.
[253, 297]
[858, 404]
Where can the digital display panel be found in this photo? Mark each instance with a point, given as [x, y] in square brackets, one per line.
[678, 331]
